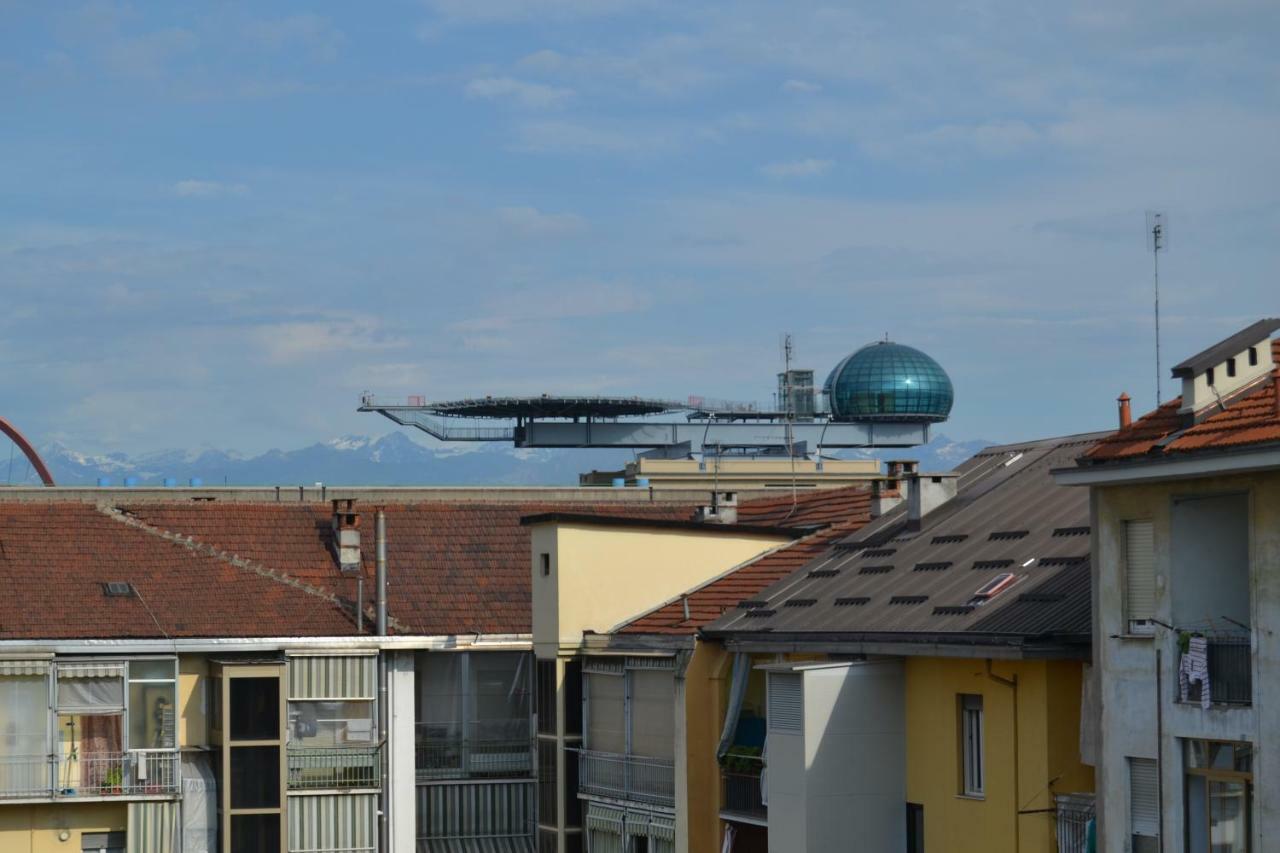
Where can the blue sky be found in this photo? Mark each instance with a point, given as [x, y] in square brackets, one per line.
[220, 222]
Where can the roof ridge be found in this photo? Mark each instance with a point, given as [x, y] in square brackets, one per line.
[235, 560]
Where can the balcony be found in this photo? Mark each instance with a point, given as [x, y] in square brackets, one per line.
[27, 776]
[118, 774]
[627, 777]
[741, 789]
[1230, 665]
[314, 768]
[438, 759]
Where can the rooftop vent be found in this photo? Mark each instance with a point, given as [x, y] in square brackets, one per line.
[117, 589]
[992, 564]
[760, 613]
[908, 599]
[1007, 535]
[875, 570]
[931, 567]
[823, 573]
[1072, 531]
[801, 602]
[852, 601]
[953, 609]
[880, 552]
[723, 508]
[950, 538]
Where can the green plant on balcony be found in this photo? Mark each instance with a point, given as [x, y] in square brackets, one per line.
[741, 759]
[113, 780]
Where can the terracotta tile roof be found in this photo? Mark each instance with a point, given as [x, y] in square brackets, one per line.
[844, 510]
[454, 568]
[1248, 420]
[56, 557]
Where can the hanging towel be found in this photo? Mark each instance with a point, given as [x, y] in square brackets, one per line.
[727, 847]
[1194, 666]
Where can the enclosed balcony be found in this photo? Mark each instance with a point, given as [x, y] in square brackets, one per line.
[334, 767]
[1229, 663]
[627, 777]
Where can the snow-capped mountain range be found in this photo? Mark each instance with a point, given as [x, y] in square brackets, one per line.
[393, 459]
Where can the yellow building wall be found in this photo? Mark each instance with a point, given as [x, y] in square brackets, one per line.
[602, 576]
[193, 687]
[706, 695]
[1043, 745]
[36, 828]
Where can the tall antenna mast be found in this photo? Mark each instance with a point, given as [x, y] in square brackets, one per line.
[1157, 232]
[788, 393]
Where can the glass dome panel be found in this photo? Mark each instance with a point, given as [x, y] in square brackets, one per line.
[888, 381]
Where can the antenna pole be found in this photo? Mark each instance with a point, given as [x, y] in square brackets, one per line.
[1157, 243]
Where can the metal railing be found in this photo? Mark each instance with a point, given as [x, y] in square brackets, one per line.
[741, 791]
[27, 775]
[1230, 663]
[1072, 813]
[627, 777]
[334, 767]
[473, 758]
[110, 774]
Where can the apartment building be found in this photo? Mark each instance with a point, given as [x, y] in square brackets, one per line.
[917, 684]
[1186, 555]
[204, 675]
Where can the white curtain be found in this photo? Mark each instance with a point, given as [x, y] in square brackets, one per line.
[89, 695]
[199, 804]
[737, 692]
[24, 738]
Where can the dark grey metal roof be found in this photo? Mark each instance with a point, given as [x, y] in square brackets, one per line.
[1223, 350]
[1008, 517]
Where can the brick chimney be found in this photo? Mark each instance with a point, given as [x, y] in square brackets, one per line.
[885, 495]
[1126, 413]
[927, 493]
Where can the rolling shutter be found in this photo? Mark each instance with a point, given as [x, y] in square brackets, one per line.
[332, 677]
[1144, 797]
[786, 702]
[1140, 572]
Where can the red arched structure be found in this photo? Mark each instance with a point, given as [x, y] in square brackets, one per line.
[27, 450]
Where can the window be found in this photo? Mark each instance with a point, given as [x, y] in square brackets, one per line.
[915, 828]
[1144, 805]
[331, 701]
[102, 842]
[1140, 576]
[255, 708]
[1219, 796]
[606, 715]
[1253, 356]
[24, 708]
[1208, 376]
[545, 561]
[152, 704]
[1231, 367]
[972, 772]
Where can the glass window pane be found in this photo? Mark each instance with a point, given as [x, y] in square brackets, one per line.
[255, 708]
[151, 715]
[1228, 816]
[24, 716]
[323, 724]
[439, 700]
[91, 695]
[255, 833]
[255, 777]
[606, 731]
[154, 669]
[501, 704]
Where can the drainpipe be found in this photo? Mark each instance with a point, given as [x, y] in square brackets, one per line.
[1012, 684]
[384, 825]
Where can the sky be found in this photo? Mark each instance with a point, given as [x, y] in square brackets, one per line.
[221, 222]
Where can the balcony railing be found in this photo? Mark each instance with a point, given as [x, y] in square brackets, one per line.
[1230, 665]
[462, 758]
[27, 775]
[1072, 814]
[117, 774]
[741, 790]
[627, 777]
[334, 767]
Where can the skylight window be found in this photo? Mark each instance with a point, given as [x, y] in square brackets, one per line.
[117, 589]
[993, 587]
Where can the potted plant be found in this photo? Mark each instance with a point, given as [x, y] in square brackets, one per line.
[113, 781]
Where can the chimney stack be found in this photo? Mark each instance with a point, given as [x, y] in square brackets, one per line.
[885, 495]
[1126, 413]
[346, 535]
[927, 493]
[723, 508]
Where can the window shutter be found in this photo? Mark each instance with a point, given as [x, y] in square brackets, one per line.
[1144, 797]
[786, 702]
[1140, 571]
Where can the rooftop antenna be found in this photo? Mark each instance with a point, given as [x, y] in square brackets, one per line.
[789, 412]
[1157, 236]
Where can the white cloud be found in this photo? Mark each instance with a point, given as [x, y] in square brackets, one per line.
[533, 96]
[538, 223]
[192, 188]
[296, 341]
[807, 168]
[993, 138]
[801, 87]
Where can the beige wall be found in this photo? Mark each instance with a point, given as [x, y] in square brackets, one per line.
[193, 687]
[35, 828]
[706, 695]
[603, 576]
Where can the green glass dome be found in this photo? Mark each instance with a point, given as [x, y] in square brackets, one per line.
[889, 382]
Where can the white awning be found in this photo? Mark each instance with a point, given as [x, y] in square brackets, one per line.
[24, 667]
[90, 669]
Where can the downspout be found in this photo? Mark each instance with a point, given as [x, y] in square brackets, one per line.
[1012, 684]
[384, 825]
[1160, 746]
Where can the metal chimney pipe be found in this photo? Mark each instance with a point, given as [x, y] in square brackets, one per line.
[380, 540]
[1126, 413]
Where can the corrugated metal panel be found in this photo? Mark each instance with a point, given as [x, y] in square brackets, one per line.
[1003, 488]
[475, 810]
[1140, 570]
[786, 702]
[332, 677]
[153, 828]
[605, 828]
[475, 845]
[332, 822]
[1144, 797]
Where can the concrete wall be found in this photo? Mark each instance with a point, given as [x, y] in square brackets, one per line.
[193, 698]
[602, 576]
[37, 828]
[1138, 721]
[1022, 774]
